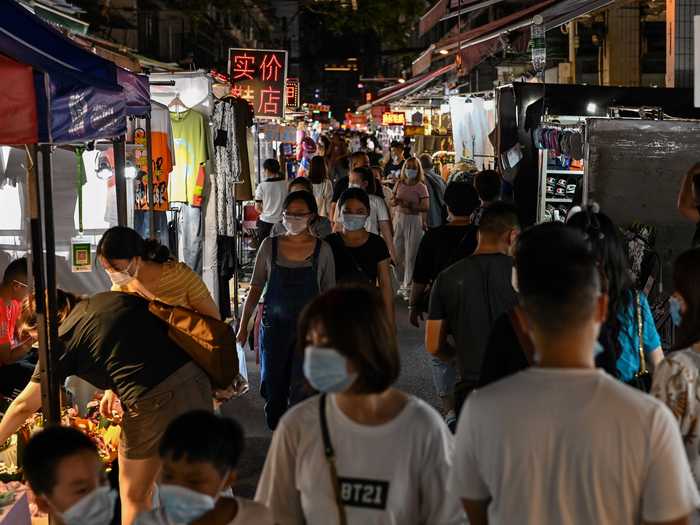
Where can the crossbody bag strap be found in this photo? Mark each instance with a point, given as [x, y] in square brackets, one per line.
[640, 331]
[330, 459]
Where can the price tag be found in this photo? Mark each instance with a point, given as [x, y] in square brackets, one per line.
[80, 255]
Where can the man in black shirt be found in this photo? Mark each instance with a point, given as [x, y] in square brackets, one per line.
[469, 296]
[393, 167]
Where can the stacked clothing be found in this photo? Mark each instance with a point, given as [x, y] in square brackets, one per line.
[567, 142]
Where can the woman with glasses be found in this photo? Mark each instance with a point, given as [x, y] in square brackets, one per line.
[292, 269]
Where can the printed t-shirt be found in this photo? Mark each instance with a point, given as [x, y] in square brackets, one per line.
[357, 263]
[112, 341]
[190, 138]
[628, 362]
[178, 286]
[9, 314]
[163, 160]
[470, 296]
[571, 446]
[411, 193]
[272, 193]
[389, 474]
[442, 247]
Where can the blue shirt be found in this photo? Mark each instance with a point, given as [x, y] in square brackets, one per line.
[628, 363]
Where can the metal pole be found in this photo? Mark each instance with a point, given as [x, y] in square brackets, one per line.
[120, 180]
[49, 394]
[149, 157]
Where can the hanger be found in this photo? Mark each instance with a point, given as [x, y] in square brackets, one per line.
[177, 103]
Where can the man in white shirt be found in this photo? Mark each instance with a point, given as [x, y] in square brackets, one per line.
[269, 198]
[563, 443]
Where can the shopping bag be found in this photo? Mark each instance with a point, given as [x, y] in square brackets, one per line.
[242, 366]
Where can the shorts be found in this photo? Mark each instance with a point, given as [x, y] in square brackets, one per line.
[145, 421]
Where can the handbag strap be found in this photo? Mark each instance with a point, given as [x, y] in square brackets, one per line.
[640, 332]
[330, 459]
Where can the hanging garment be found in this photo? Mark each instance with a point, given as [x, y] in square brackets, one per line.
[226, 265]
[186, 182]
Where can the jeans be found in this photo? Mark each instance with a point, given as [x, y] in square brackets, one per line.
[191, 236]
[143, 226]
[444, 377]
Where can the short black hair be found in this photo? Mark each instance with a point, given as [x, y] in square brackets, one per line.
[354, 193]
[305, 196]
[46, 450]
[17, 270]
[396, 144]
[271, 165]
[499, 218]
[202, 436]
[488, 185]
[303, 181]
[368, 177]
[461, 198]
[556, 292]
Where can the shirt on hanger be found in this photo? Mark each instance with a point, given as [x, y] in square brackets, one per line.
[186, 182]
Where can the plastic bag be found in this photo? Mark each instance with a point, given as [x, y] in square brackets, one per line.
[242, 366]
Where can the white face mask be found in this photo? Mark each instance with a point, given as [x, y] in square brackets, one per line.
[124, 277]
[183, 505]
[354, 185]
[295, 225]
[96, 508]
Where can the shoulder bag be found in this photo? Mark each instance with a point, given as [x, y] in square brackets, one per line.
[642, 378]
[330, 459]
[209, 342]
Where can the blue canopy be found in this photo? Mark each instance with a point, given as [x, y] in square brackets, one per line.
[82, 99]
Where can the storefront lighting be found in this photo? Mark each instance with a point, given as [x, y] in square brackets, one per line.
[360, 85]
[130, 172]
[402, 81]
[444, 51]
[592, 107]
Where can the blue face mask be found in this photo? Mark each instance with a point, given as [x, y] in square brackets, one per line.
[674, 308]
[411, 174]
[327, 370]
[182, 505]
[352, 222]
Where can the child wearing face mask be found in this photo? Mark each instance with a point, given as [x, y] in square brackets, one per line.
[200, 452]
[677, 377]
[67, 477]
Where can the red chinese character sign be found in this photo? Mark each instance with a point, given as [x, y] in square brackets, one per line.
[259, 76]
[293, 96]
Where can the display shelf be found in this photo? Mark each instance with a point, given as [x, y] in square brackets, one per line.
[559, 200]
[564, 172]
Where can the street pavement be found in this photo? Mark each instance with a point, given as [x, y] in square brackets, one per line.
[415, 379]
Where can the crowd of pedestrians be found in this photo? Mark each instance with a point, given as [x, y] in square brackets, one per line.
[542, 353]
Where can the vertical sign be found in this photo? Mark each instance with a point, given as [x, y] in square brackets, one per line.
[259, 76]
[293, 97]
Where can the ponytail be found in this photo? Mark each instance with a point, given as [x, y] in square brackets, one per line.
[155, 251]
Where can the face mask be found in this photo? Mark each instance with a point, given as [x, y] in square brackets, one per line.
[411, 174]
[123, 277]
[674, 308]
[352, 222]
[327, 370]
[354, 185]
[97, 508]
[295, 225]
[182, 505]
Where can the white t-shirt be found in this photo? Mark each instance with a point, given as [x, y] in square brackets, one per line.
[571, 446]
[391, 474]
[272, 194]
[250, 512]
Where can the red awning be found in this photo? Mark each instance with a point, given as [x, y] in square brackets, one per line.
[17, 103]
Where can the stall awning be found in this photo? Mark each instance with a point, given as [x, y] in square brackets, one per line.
[432, 17]
[137, 94]
[409, 87]
[17, 103]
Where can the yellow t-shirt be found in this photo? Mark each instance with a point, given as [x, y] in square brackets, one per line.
[178, 286]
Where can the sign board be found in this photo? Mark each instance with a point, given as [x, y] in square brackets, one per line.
[80, 255]
[413, 131]
[394, 118]
[259, 76]
[293, 95]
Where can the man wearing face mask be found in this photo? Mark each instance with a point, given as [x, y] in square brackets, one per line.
[468, 297]
[393, 166]
[67, 477]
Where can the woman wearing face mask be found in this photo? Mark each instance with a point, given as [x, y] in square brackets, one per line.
[677, 377]
[361, 256]
[391, 452]
[292, 269]
[411, 198]
[319, 226]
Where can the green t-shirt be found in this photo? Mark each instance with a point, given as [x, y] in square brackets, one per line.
[189, 136]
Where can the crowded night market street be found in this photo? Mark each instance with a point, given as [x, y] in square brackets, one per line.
[349, 262]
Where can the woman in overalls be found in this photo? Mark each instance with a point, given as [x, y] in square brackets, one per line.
[292, 269]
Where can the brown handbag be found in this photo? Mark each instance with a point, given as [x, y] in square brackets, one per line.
[209, 342]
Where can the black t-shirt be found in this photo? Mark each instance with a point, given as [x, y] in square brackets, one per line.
[504, 356]
[340, 187]
[112, 341]
[440, 248]
[391, 166]
[358, 264]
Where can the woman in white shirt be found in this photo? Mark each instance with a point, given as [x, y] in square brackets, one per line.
[391, 452]
[322, 186]
[677, 377]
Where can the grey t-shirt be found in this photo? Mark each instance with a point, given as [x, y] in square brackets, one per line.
[326, 265]
[470, 296]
